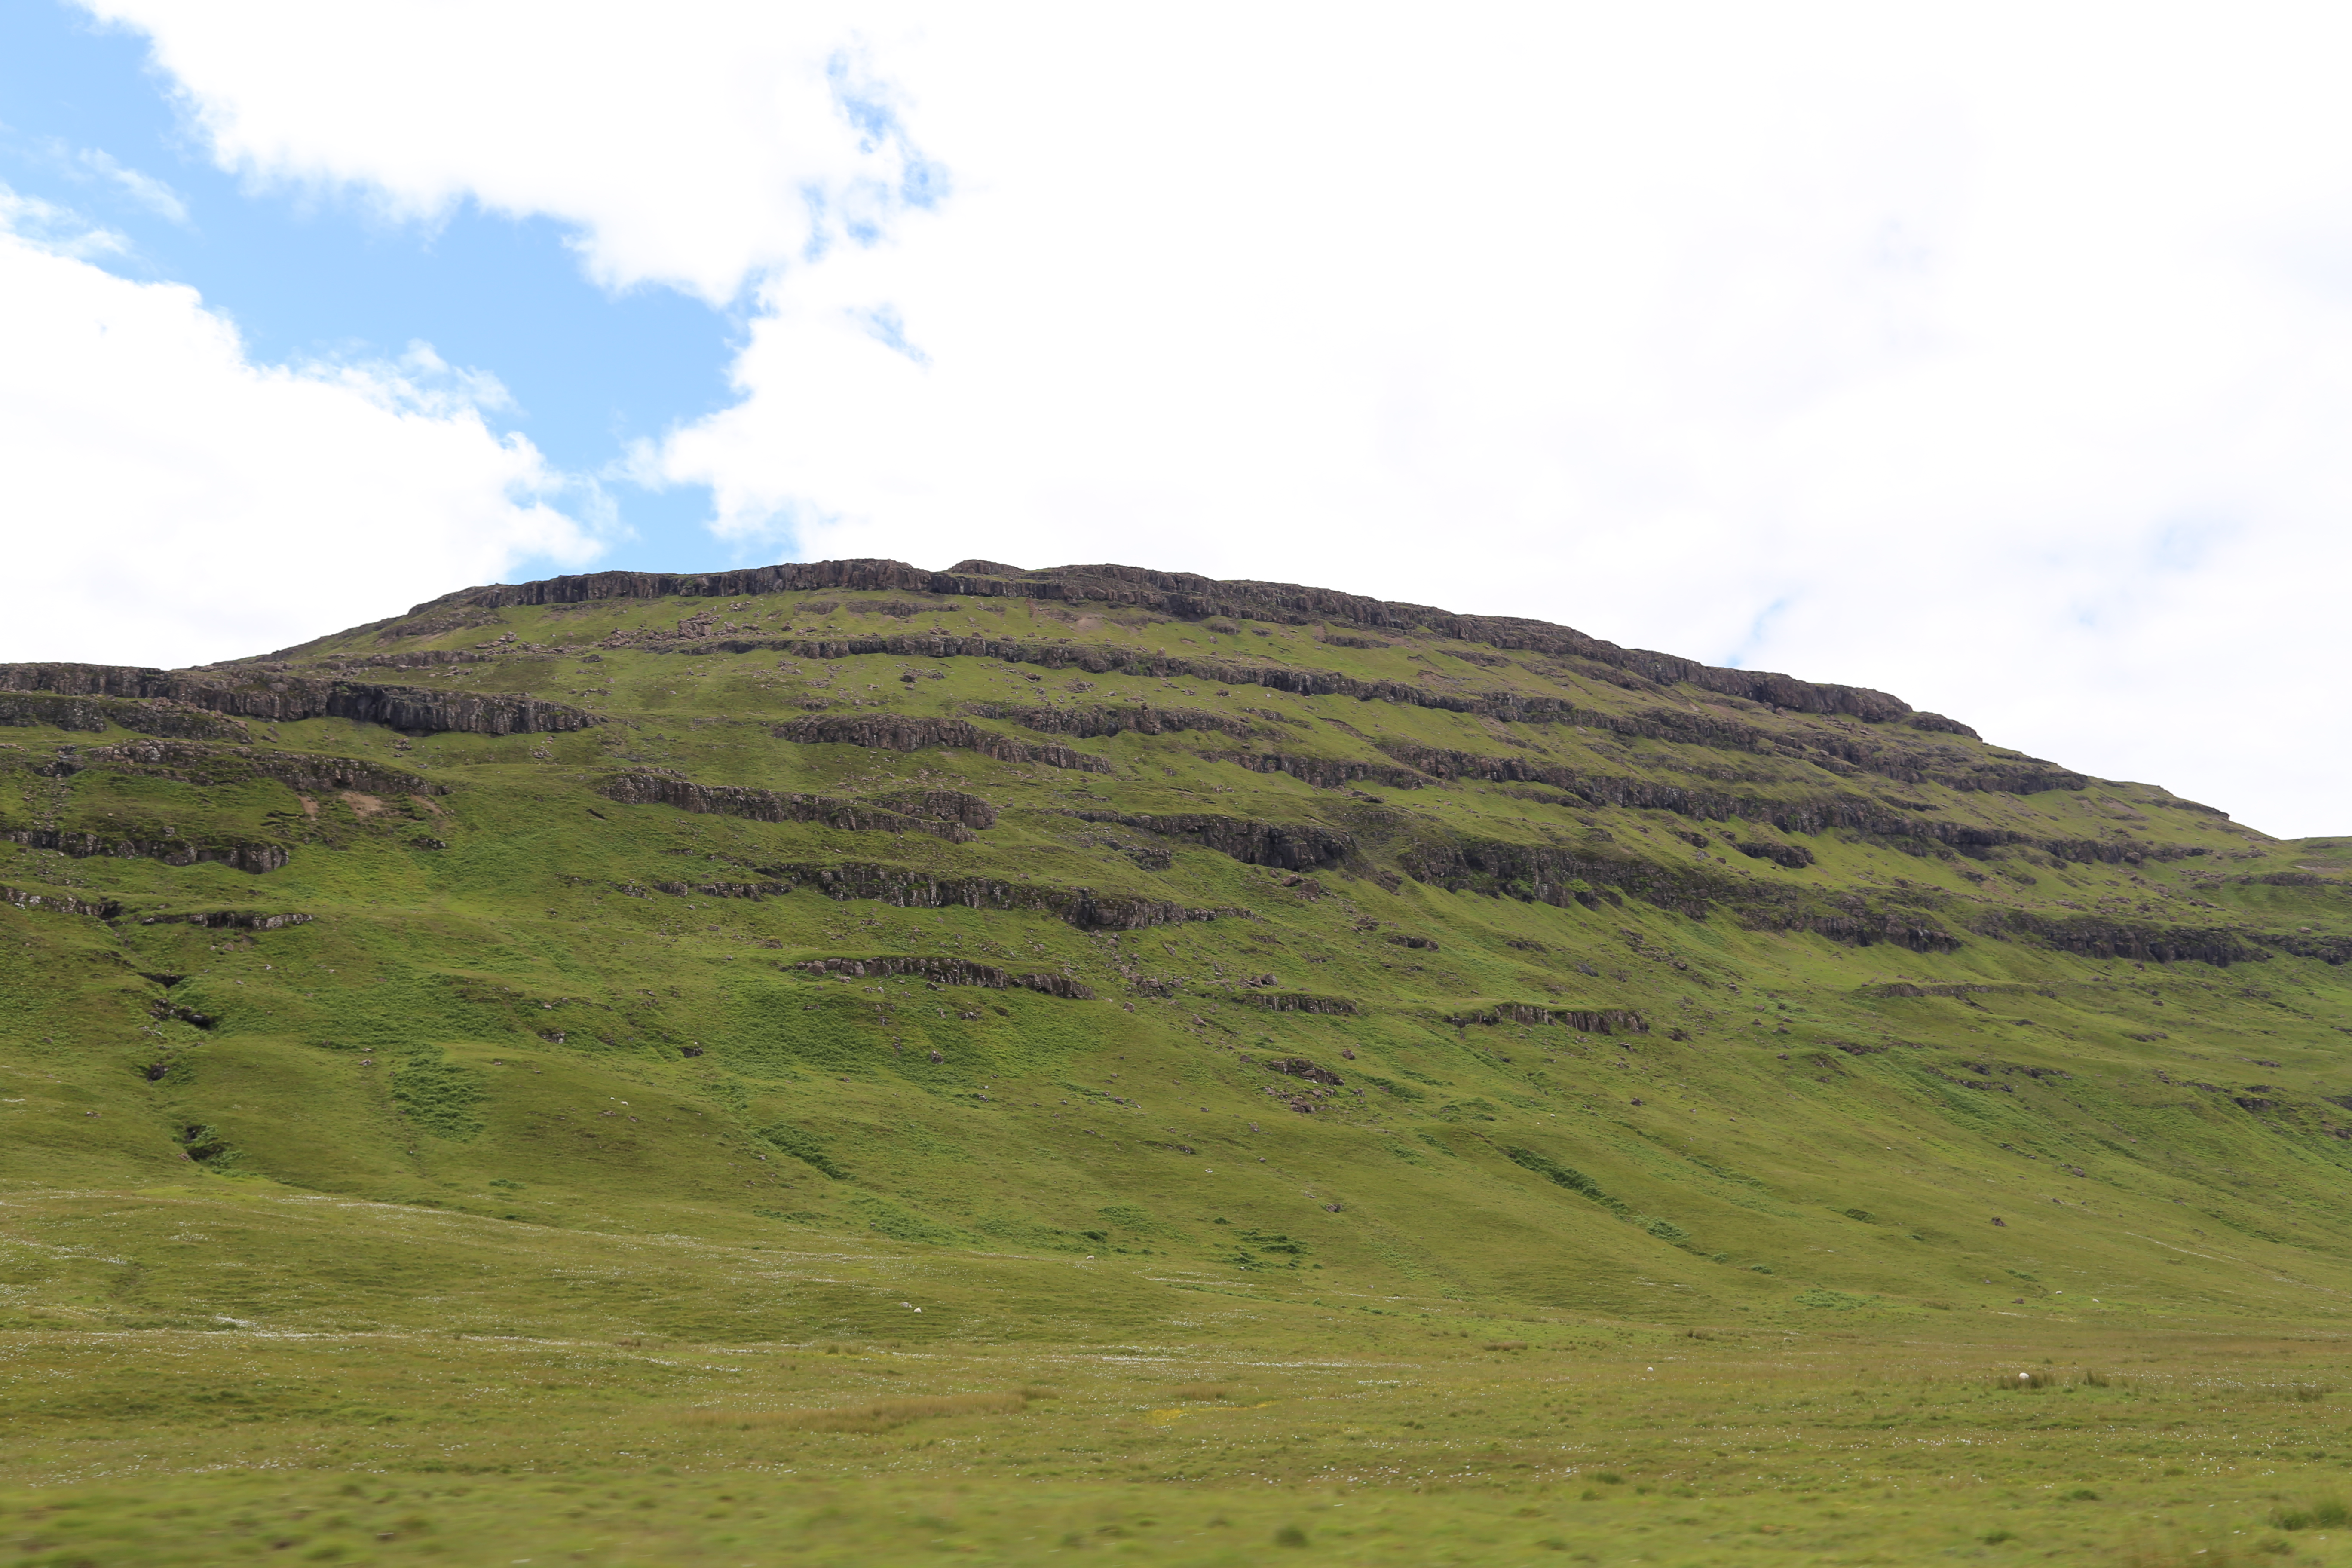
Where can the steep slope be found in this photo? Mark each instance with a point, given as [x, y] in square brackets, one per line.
[1249, 937]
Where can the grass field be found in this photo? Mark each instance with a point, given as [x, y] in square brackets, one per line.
[1389, 1097]
[1400, 1431]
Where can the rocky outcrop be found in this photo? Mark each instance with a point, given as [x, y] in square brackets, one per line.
[1865, 928]
[1290, 846]
[439, 625]
[1296, 1002]
[1564, 877]
[752, 890]
[1300, 1066]
[2147, 941]
[1323, 773]
[248, 692]
[169, 1011]
[950, 972]
[95, 713]
[414, 658]
[905, 888]
[255, 858]
[2328, 948]
[192, 763]
[229, 920]
[1546, 875]
[904, 732]
[1587, 1020]
[1905, 990]
[1835, 752]
[1795, 857]
[941, 805]
[651, 788]
[1807, 813]
[1090, 723]
[2119, 851]
[63, 904]
[1834, 746]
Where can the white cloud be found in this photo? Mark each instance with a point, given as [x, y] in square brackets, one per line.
[694, 147]
[90, 162]
[60, 230]
[169, 501]
[1989, 356]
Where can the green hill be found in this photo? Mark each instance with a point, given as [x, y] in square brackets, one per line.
[847, 954]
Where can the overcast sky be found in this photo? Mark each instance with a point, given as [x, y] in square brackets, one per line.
[1998, 357]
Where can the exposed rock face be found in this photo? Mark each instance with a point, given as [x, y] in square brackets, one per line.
[1868, 929]
[2111, 851]
[1296, 1002]
[24, 898]
[284, 699]
[229, 920]
[148, 717]
[416, 658]
[900, 732]
[1541, 873]
[952, 972]
[1796, 857]
[1847, 754]
[1806, 814]
[1291, 845]
[247, 857]
[195, 763]
[1101, 659]
[1189, 598]
[752, 890]
[1087, 724]
[2100, 936]
[942, 805]
[909, 889]
[2327, 947]
[771, 805]
[1300, 1066]
[1587, 1020]
[439, 625]
[1560, 877]
[1323, 773]
[161, 1008]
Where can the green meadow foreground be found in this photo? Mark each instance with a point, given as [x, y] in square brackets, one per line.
[846, 1064]
[1422, 1435]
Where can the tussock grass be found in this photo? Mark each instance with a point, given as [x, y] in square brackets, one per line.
[500, 1448]
[2326, 1514]
[2035, 1379]
[882, 1416]
[1202, 1392]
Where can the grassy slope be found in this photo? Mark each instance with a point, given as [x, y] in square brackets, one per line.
[458, 1100]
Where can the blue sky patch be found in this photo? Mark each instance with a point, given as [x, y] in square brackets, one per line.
[104, 166]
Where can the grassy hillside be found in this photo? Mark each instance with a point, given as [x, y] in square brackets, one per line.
[1010, 978]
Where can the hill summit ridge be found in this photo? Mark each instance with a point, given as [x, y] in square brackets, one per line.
[887, 887]
[1182, 595]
